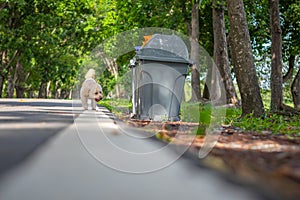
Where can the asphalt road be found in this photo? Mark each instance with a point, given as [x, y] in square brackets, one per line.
[27, 124]
[44, 155]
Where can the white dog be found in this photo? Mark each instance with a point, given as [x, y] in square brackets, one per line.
[90, 89]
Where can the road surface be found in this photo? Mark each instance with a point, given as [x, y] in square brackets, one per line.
[52, 150]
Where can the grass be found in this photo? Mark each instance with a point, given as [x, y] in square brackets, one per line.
[119, 107]
[207, 115]
[273, 123]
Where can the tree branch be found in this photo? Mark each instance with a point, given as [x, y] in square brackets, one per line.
[16, 53]
[3, 5]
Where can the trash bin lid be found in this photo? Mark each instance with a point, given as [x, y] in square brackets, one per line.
[160, 55]
[171, 43]
[169, 48]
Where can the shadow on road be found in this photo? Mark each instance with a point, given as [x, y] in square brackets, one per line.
[27, 124]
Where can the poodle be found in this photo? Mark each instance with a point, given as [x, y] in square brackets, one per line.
[90, 89]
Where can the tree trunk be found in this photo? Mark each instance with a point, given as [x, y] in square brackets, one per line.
[295, 89]
[21, 77]
[10, 84]
[42, 90]
[276, 52]
[3, 67]
[1, 84]
[2, 77]
[221, 51]
[30, 93]
[48, 91]
[208, 80]
[194, 38]
[290, 71]
[212, 90]
[55, 90]
[115, 71]
[20, 92]
[243, 60]
[205, 92]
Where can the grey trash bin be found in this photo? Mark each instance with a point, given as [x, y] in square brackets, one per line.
[159, 70]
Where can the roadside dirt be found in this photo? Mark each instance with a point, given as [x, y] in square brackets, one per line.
[270, 161]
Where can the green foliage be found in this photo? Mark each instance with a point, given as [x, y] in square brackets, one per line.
[199, 113]
[106, 104]
[120, 107]
[50, 36]
[190, 112]
[290, 10]
[196, 112]
[107, 82]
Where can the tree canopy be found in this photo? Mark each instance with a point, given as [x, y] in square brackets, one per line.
[44, 43]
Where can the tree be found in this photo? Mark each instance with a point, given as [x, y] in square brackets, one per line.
[37, 37]
[290, 17]
[192, 26]
[276, 60]
[221, 52]
[194, 38]
[295, 88]
[9, 54]
[243, 61]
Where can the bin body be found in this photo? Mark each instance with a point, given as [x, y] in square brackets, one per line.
[158, 84]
